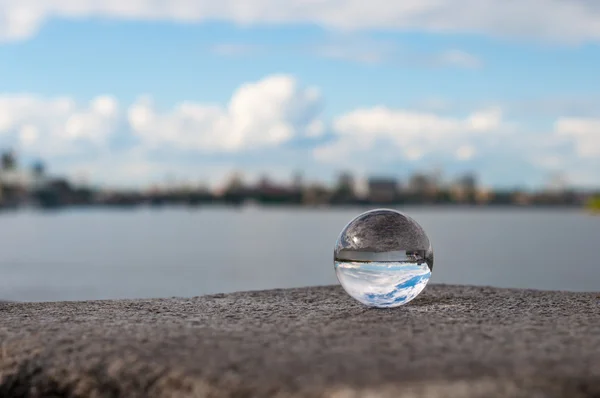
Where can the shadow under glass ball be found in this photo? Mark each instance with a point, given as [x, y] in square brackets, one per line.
[383, 258]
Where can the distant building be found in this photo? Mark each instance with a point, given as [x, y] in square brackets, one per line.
[557, 183]
[468, 182]
[421, 184]
[436, 179]
[38, 175]
[297, 181]
[418, 183]
[38, 169]
[464, 189]
[13, 177]
[484, 196]
[235, 183]
[521, 198]
[344, 191]
[383, 190]
[266, 187]
[315, 195]
[8, 161]
[14, 183]
[264, 183]
[346, 182]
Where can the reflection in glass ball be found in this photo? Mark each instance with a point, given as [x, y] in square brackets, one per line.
[383, 258]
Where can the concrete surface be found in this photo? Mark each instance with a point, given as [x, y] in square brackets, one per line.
[452, 341]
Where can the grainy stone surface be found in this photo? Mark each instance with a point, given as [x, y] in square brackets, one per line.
[452, 341]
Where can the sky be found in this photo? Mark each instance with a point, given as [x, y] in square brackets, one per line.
[130, 93]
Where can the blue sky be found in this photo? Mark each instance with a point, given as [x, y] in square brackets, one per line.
[126, 96]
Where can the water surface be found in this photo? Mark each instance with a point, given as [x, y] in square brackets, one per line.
[100, 253]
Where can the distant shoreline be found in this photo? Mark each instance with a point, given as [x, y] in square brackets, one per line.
[453, 206]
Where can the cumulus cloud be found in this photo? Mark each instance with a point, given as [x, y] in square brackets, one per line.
[360, 49]
[364, 51]
[379, 137]
[557, 20]
[57, 126]
[267, 113]
[584, 133]
[408, 133]
[262, 121]
[465, 152]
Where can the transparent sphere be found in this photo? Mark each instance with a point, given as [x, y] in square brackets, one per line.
[383, 258]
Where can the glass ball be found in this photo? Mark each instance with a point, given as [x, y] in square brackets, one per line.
[383, 258]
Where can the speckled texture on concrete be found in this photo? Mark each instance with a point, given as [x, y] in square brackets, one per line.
[451, 341]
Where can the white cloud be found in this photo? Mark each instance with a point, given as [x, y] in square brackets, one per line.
[378, 138]
[458, 58]
[360, 49]
[18, 22]
[372, 52]
[315, 129]
[557, 105]
[94, 124]
[412, 153]
[357, 49]
[571, 150]
[556, 20]
[267, 113]
[373, 137]
[57, 126]
[465, 152]
[235, 49]
[583, 132]
[28, 135]
[117, 144]
[134, 168]
[485, 120]
[131, 142]
[549, 161]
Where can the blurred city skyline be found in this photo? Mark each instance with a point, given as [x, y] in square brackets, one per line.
[13, 170]
[34, 187]
[117, 94]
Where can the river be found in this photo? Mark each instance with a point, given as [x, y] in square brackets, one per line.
[164, 252]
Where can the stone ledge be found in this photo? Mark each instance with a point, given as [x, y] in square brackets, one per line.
[452, 341]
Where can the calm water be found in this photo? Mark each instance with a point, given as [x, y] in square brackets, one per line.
[95, 254]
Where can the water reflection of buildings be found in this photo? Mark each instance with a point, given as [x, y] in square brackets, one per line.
[34, 187]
